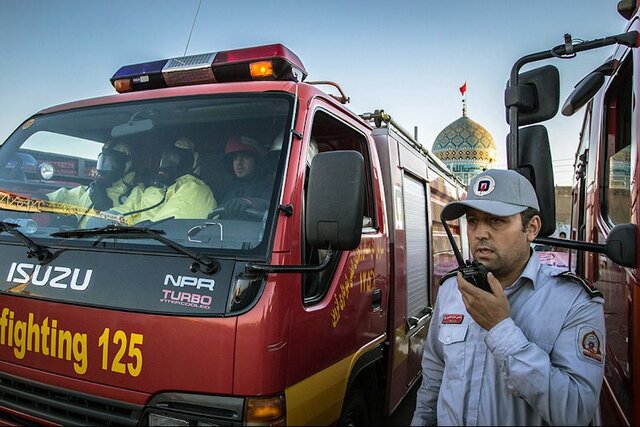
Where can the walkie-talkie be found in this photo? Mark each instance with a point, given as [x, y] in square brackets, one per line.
[472, 271]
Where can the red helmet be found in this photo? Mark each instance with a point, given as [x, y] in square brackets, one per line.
[237, 144]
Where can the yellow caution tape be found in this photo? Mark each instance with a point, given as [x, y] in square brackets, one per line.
[16, 202]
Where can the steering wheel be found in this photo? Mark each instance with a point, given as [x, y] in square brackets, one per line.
[252, 214]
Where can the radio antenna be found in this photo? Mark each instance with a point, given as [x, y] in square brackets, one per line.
[454, 246]
[192, 27]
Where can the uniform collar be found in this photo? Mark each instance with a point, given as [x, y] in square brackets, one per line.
[529, 273]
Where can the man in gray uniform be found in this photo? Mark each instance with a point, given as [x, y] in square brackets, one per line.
[531, 352]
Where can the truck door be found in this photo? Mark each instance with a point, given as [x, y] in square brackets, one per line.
[338, 330]
[614, 176]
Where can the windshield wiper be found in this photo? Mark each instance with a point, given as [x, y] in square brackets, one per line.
[202, 263]
[35, 250]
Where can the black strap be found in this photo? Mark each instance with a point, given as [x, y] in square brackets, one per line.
[130, 186]
[448, 275]
[586, 285]
[164, 197]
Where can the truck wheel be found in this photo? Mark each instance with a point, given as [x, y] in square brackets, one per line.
[355, 411]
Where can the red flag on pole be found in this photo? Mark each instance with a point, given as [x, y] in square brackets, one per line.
[463, 88]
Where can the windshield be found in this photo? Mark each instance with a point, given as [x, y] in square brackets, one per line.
[207, 167]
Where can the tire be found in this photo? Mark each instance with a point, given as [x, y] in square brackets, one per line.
[355, 411]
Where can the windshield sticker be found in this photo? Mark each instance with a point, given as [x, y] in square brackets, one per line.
[15, 202]
[186, 299]
[121, 352]
[56, 277]
[196, 282]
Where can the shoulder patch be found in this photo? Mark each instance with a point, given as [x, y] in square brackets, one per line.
[586, 285]
[448, 275]
[590, 344]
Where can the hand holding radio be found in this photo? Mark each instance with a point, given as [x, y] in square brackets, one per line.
[486, 309]
[476, 274]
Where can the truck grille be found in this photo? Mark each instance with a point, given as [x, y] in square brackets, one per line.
[62, 406]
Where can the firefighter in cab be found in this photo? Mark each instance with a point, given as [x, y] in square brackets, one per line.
[176, 191]
[114, 181]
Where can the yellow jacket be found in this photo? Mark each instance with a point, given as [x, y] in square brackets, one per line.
[79, 196]
[188, 197]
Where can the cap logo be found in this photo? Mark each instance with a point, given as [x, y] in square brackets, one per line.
[484, 185]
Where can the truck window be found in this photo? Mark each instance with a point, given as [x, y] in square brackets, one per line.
[48, 171]
[330, 134]
[578, 207]
[616, 147]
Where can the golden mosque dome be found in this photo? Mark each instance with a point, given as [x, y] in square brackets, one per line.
[466, 148]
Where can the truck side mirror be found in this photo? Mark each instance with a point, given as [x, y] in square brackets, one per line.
[583, 92]
[626, 8]
[588, 87]
[534, 163]
[537, 95]
[335, 200]
[621, 245]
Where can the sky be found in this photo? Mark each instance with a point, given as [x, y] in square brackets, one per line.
[408, 58]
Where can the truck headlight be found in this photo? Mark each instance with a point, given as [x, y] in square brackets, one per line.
[46, 171]
[190, 409]
[199, 410]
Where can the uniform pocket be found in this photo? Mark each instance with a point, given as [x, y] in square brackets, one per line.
[453, 338]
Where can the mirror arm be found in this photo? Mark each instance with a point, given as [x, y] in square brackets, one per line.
[627, 39]
[571, 244]
[269, 268]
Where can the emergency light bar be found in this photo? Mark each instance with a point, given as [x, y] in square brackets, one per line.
[269, 62]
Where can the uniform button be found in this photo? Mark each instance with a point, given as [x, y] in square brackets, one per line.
[447, 338]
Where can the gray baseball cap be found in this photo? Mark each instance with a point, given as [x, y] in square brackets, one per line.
[497, 192]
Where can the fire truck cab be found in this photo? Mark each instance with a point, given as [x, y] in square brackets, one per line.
[298, 294]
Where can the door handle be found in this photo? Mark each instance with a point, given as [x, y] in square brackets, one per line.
[414, 321]
[376, 300]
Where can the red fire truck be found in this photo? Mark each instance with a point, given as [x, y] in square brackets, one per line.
[605, 215]
[311, 311]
